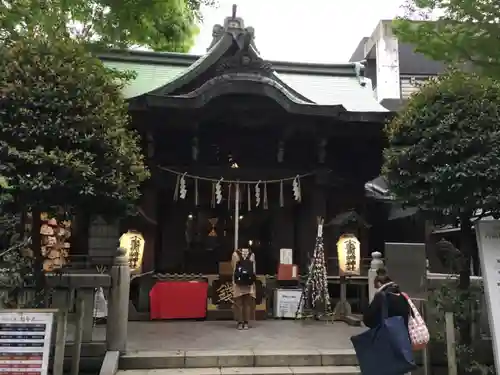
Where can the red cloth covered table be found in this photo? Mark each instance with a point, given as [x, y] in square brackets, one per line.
[178, 300]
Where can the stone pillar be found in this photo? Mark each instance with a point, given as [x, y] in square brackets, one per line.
[118, 303]
[375, 264]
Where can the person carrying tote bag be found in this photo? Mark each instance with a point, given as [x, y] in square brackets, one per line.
[385, 349]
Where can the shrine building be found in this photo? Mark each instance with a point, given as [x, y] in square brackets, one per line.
[249, 152]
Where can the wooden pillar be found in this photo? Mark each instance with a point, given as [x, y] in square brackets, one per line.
[284, 227]
[313, 205]
[320, 201]
[366, 248]
[159, 258]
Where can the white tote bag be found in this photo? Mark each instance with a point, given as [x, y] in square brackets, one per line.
[419, 333]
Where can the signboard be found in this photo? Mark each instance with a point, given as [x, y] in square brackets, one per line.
[286, 256]
[488, 241]
[221, 293]
[407, 266]
[103, 238]
[286, 303]
[25, 341]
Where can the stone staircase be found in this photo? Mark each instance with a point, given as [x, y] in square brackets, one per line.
[240, 362]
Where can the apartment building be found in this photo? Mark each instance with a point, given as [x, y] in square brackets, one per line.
[394, 67]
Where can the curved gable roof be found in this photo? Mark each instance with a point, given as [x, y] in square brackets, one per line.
[227, 46]
[234, 56]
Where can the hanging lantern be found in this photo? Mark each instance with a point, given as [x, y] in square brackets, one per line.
[133, 242]
[349, 254]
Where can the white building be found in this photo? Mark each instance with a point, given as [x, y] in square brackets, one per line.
[394, 68]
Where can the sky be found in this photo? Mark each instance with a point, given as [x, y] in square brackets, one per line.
[302, 30]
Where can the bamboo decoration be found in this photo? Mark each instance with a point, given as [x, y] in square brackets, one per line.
[55, 243]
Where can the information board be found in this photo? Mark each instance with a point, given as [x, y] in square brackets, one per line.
[286, 303]
[488, 241]
[407, 266]
[25, 341]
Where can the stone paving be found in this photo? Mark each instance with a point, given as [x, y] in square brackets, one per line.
[222, 335]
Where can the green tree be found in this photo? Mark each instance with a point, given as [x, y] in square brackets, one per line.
[164, 25]
[65, 141]
[444, 155]
[465, 31]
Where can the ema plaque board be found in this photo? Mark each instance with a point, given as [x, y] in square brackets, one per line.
[407, 266]
[488, 240]
[25, 341]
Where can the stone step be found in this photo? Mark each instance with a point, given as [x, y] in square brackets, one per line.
[305, 370]
[148, 360]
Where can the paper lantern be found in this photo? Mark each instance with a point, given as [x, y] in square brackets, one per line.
[348, 250]
[133, 242]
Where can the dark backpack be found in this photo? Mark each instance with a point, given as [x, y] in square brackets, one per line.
[243, 272]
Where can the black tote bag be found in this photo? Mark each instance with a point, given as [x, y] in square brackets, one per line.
[386, 349]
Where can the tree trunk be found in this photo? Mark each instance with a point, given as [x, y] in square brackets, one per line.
[36, 243]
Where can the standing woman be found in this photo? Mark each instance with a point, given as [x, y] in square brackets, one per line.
[243, 262]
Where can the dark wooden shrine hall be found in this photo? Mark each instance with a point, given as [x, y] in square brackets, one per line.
[232, 115]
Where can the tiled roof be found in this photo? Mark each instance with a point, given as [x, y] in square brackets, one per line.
[315, 86]
[149, 76]
[323, 84]
[331, 90]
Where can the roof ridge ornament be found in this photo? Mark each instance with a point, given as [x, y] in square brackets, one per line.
[231, 24]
